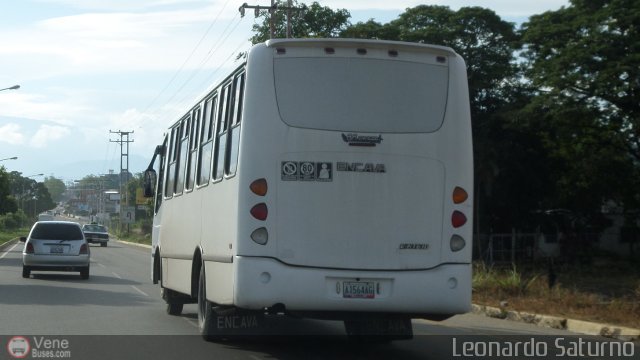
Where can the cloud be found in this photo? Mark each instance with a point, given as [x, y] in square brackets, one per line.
[57, 107]
[116, 41]
[10, 133]
[47, 134]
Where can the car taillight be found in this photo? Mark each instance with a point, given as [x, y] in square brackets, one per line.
[84, 249]
[30, 249]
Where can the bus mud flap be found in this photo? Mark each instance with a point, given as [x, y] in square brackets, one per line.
[237, 323]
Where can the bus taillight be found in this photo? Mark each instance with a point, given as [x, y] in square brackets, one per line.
[259, 187]
[457, 243]
[459, 195]
[458, 219]
[260, 236]
[260, 211]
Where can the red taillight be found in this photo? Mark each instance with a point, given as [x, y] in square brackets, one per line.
[459, 195]
[30, 249]
[458, 219]
[260, 211]
[84, 249]
[259, 187]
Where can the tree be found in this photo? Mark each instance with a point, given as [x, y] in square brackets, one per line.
[583, 61]
[31, 196]
[315, 21]
[56, 188]
[8, 202]
[371, 30]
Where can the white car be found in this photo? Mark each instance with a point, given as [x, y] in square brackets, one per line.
[55, 246]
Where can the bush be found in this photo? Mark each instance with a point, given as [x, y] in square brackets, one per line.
[12, 221]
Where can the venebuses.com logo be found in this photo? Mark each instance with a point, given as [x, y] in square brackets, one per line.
[39, 347]
[19, 347]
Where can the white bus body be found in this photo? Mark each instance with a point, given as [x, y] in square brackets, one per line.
[342, 184]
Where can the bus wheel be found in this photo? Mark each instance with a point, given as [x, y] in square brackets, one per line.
[379, 330]
[205, 310]
[218, 323]
[173, 307]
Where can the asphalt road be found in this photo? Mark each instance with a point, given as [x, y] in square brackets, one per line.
[118, 314]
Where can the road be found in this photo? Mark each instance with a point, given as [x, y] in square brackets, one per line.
[119, 300]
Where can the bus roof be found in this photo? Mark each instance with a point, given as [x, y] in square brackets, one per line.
[382, 44]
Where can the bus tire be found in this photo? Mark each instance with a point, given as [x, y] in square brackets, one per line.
[174, 307]
[206, 313]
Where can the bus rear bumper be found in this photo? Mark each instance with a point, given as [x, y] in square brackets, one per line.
[438, 292]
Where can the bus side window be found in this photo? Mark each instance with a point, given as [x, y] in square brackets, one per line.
[183, 150]
[170, 182]
[206, 141]
[161, 176]
[193, 148]
[231, 158]
[221, 131]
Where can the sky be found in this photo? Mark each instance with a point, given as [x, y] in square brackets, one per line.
[88, 68]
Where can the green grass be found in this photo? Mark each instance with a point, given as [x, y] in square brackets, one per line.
[8, 235]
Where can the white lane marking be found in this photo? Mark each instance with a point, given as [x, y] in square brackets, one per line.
[116, 275]
[6, 252]
[102, 265]
[255, 357]
[138, 290]
[191, 321]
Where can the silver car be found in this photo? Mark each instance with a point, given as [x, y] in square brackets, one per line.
[55, 246]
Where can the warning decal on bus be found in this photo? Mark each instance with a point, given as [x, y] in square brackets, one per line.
[306, 171]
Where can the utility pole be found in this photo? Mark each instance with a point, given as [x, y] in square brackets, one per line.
[124, 164]
[272, 11]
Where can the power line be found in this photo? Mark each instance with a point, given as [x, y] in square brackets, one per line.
[124, 160]
[188, 58]
[272, 10]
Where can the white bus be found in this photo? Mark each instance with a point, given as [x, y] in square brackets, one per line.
[323, 178]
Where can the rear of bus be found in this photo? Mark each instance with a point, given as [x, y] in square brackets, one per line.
[356, 178]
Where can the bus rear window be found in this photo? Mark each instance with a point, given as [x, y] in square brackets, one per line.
[366, 95]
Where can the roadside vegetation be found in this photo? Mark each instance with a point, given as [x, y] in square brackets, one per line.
[13, 225]
[139, 233]
[607, 291]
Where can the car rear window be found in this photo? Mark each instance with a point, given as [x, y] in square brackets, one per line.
[52, 231]
[94, 228]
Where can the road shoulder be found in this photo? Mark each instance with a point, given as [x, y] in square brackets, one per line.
[561, 323]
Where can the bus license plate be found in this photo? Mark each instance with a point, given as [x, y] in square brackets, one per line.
[57, 249]
[358, 290]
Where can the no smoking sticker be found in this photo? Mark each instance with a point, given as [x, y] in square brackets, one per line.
[289, 170]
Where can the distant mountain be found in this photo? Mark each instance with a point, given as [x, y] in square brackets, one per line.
[77, 170]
